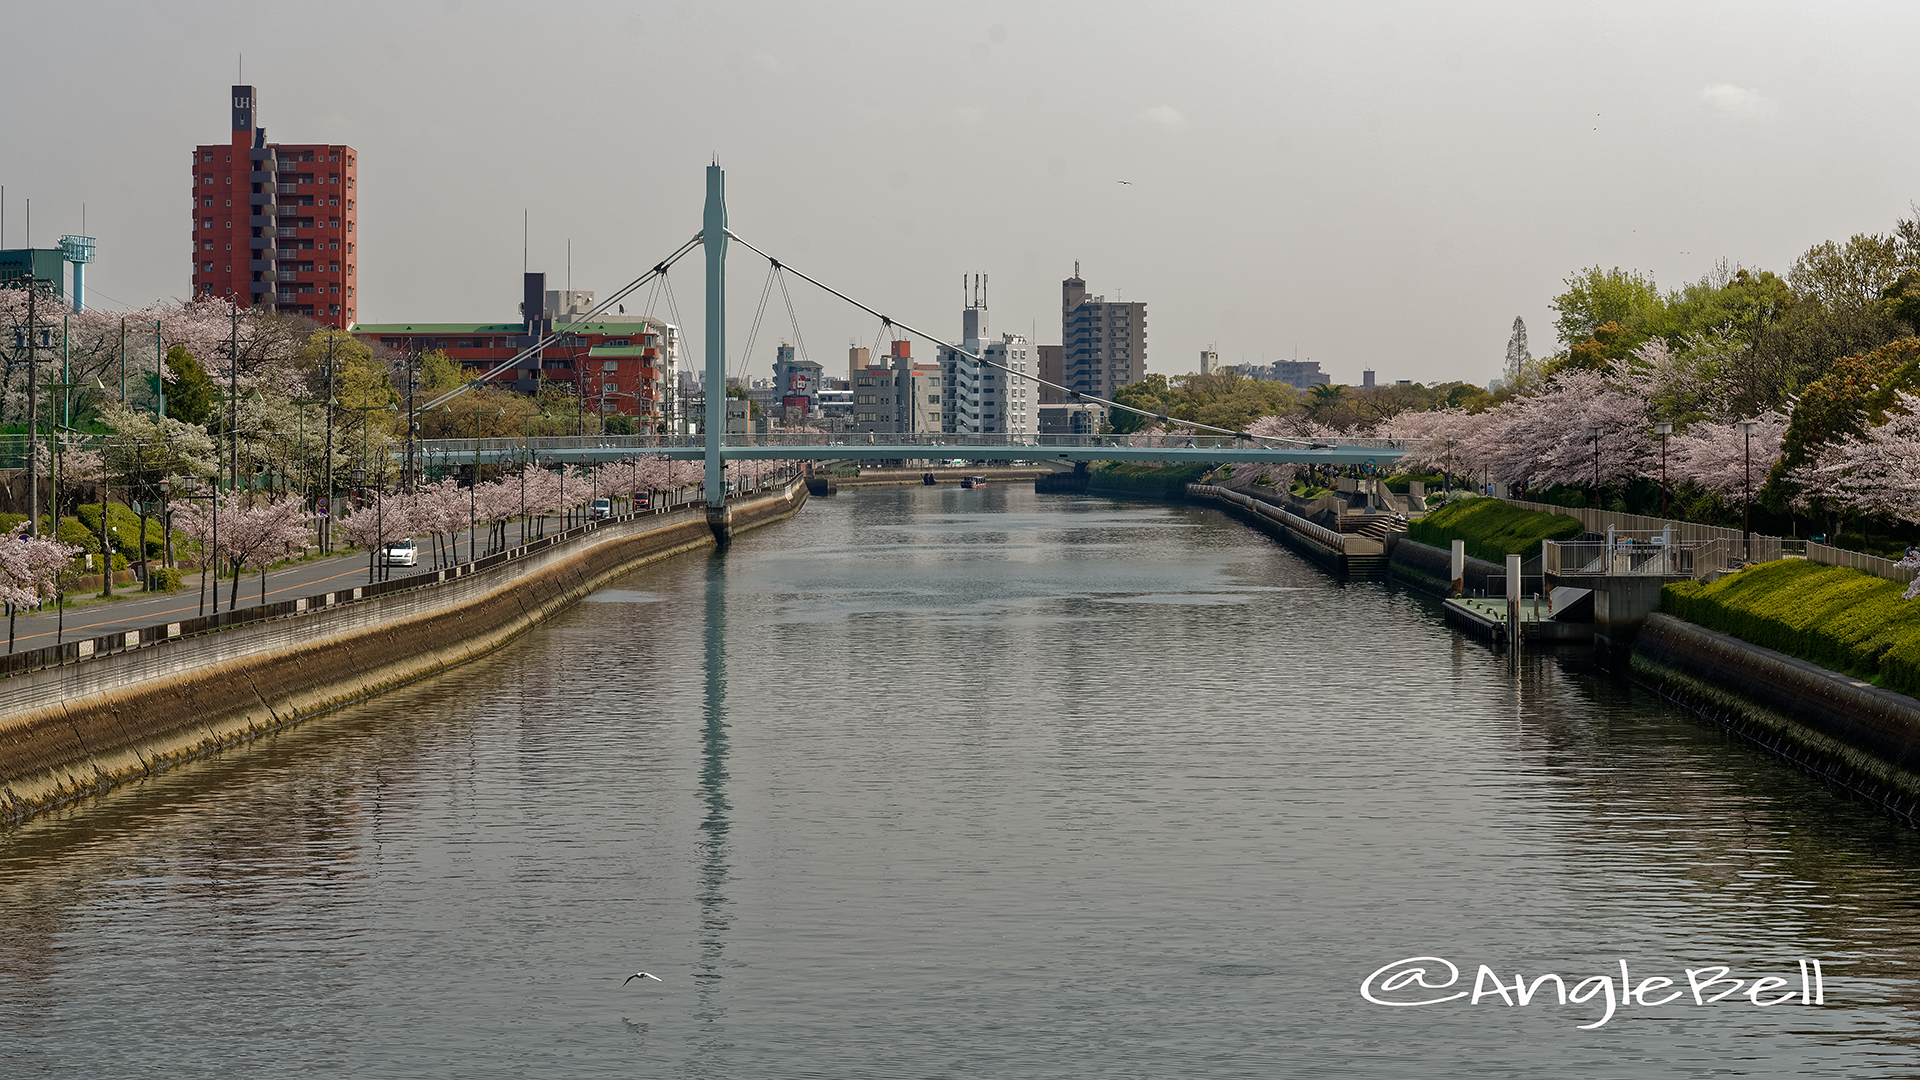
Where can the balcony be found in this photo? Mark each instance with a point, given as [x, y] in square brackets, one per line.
[286, 189]
[260, 198]
[283, 230]
[260, 264]
[258, 287]
[286, 275]
[260, 221]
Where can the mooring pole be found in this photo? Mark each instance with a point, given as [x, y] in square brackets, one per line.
[714, 239]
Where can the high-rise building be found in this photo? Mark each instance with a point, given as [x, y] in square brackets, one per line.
[1209, 361]
[1052, 360]
[1105, 341]
[273, 223]
[900, 397]
[983, 398]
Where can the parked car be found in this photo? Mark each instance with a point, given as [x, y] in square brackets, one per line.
[400, 553]
[602, 509]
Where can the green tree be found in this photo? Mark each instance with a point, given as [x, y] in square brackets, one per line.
[191, 395]
[438, 372]
[1596, 297]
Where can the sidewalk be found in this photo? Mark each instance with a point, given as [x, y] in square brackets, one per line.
[142, 609]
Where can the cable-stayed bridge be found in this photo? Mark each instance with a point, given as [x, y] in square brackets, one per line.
[715, 446]
[934, 446]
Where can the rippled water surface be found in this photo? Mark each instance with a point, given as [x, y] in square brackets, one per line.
[974, 784]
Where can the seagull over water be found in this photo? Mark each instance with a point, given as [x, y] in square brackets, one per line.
[642, 975]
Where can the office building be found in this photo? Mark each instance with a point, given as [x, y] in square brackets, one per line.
[1299, 374]
[1052, 368]
[900, 397]
[984, 397]
[274, 223]
[619, 366]
[1105, 341]
[1209, 361]
[797, 382]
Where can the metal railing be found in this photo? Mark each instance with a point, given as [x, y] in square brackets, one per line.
[936, 441]
[1659, 555]
[1312, 530]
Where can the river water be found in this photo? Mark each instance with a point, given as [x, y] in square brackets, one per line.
[943, 783]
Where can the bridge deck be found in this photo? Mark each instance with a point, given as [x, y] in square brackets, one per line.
[919, 448]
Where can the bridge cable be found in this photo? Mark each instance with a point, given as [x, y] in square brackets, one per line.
[799, 339]
[766, 291]
[659, 270]
[1076, 395]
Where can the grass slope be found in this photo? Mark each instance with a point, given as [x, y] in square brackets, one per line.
[1834, 616]
[1493, 529]
[1154, 481]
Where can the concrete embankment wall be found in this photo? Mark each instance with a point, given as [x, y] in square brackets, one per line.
[1430, 569]
[79, 729]
[1849, 732]
[1318, 543]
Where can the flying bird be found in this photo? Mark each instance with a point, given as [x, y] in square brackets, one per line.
[642, 975]
[1129, 183]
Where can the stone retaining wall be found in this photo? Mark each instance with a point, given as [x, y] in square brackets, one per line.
[1851, 733]
[80, 729]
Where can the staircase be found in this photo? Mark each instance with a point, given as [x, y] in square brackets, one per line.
[1366, 557]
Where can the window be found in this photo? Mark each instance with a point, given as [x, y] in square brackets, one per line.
[333, 155]
[333, 178]
[334, 201]
[349, 181]
[209, 244]
[209, 159]
[333, 288]
[349, 226]
[229, 181]
[933, 399]
[208, 180]
[349, 248]
[332, 223]
[209, 202]
[349, 290]
[208, 223]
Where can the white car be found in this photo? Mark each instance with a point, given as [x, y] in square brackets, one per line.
[400, 553]
[602, 509]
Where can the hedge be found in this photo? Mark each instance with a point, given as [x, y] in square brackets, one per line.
[1834, 616]
[1155, 481]
[1493, 529]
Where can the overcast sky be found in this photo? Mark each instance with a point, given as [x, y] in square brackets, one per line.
[1368, 184]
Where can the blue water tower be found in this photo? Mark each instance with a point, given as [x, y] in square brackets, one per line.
[78, 250]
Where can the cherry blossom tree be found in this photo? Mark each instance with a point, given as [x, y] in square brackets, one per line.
[249, 535]
[1714, 456]
[30, 567]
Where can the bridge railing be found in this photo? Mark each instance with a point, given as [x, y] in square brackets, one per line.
[932, 441]
[1656, 554]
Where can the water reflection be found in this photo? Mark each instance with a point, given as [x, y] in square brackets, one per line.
[712, 844]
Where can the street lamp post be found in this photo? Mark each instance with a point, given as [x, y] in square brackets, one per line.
[1746, 515]
[1593, 433]
[1663, 430]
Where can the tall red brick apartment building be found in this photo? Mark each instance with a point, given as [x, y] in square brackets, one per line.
[273, 223]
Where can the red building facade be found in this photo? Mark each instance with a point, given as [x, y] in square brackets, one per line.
[274, 224]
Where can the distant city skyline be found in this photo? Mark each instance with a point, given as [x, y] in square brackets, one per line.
[1377, 186]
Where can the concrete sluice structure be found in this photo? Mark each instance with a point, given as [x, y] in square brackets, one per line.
[82, 728]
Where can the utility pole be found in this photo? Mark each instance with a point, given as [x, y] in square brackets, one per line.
[233, 400]
[326, 535]
[33, 410]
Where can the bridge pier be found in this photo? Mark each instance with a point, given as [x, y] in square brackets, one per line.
[720, 520]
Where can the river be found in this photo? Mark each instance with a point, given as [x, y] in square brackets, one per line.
[932, 782]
